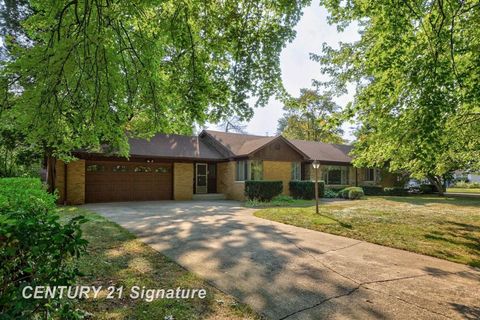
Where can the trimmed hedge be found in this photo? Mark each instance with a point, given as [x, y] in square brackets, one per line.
[395, 191]
[35, 249]
[306, 189]
[372, 191]
[351, 193]
[262, 190]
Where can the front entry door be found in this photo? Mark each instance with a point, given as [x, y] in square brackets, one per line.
[201, 178]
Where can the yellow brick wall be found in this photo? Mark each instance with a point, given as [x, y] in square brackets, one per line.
[278, 170]
[182, 181]
[76, 182]
[226, 184]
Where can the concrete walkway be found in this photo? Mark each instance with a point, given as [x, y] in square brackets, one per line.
[285, 272]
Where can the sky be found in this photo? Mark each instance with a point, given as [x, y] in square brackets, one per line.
[298, 70]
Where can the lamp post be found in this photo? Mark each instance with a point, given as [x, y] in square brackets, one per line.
[316, 165]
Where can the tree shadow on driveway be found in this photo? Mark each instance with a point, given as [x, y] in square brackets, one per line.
[280, 274]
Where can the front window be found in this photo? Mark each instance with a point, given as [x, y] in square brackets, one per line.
[249, 170]
[336, 175]
[296, 171]
[369, 174]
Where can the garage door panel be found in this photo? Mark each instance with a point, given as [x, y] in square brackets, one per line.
[110, 181]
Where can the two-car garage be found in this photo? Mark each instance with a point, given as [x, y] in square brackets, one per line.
[109, 181]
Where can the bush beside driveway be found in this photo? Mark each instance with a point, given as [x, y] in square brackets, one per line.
[447, 228]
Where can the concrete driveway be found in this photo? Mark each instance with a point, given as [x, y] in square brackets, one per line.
[285, 272]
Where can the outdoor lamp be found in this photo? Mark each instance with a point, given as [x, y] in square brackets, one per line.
[316, 165]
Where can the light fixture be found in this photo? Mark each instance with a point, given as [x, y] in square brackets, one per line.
[316, 164]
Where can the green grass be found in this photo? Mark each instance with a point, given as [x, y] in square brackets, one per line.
[463, 190]
[447, 228]
[116, 258]
[279, 203]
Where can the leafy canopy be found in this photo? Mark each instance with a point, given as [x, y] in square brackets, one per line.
[92, 70]
[312, 116]
[417, 74]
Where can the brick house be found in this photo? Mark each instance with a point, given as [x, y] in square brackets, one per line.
[212, 164]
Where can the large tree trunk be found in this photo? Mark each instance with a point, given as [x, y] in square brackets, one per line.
[51, 172]
[437, 182]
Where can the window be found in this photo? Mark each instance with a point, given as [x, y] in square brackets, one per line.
[120, 169]
[336, 175]
[369, 174]
[95, 168]
[241, 170]
[256, 170]
[162, 169]
[296, 171]
[249, 170]
[142, 169]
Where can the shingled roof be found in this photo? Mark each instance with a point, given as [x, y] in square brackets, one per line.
[173, 146]
[239, 144]
[324, 151]
[244, 144]
[228, 145]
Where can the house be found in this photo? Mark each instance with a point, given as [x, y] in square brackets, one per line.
[176, 167]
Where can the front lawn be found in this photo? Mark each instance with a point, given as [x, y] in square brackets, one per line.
[447, 228]
[116, 258]
[463, 190]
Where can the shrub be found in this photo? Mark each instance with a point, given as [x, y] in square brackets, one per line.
[306, 189]
[35, 249]
[330, 193]
[351, 193]
[428, 188]
[372, 190]
[283, 198]
[262, 190]
[467, 185]
[395, 191]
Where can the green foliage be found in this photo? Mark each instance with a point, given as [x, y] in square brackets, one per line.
[372, 190]
[330, 193]
[92, 70]
[416, 70]
[351, 193]
[468, 185]
[428, 189]
[306, 189]
[35, 249]
[395, 191]
[262, 190]
[283, 198]
[17, 157]
[311, 117]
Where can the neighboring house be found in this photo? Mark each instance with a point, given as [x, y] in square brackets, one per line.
[470, 177]
[175, 167]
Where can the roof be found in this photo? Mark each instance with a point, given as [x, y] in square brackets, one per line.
[230, 145]
[239, 144]
[243, 144]
[173, 146]
[324, 151]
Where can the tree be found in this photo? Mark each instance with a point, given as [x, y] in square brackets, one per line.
[311, 117]
[233, 124]
[416, 71]
[93, 70]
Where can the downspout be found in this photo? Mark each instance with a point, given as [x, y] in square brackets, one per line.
[356, 177]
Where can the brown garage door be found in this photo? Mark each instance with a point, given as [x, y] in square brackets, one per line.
[127, 181]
